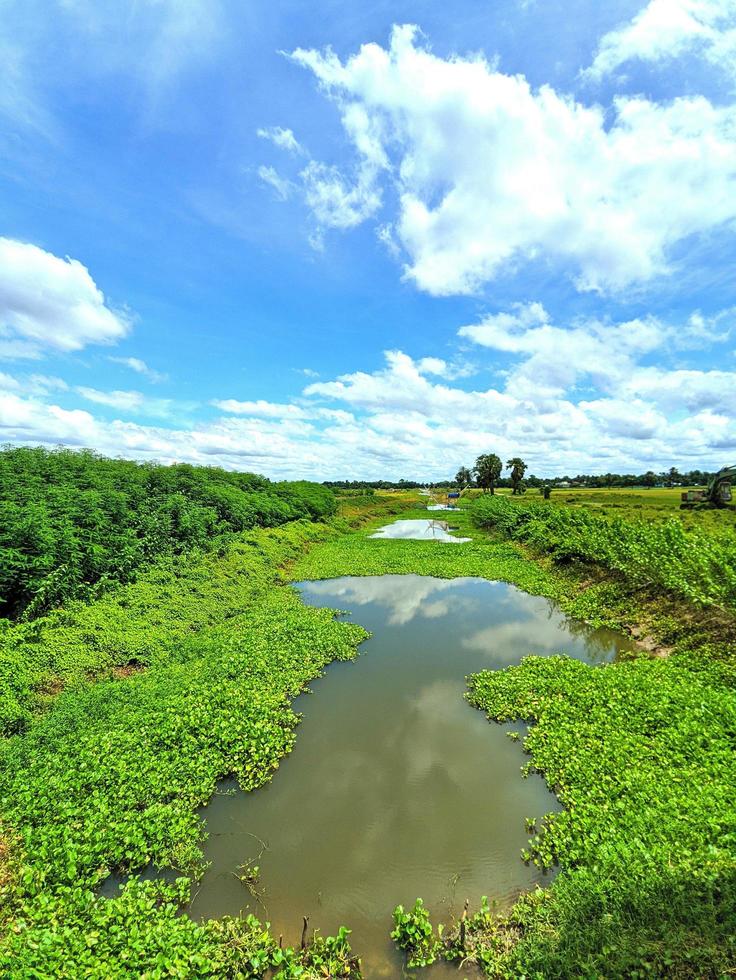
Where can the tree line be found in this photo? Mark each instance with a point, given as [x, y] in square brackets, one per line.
[466, 476]
[487, 470]
[73, 521]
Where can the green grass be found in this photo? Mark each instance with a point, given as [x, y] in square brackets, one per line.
[109, 775]
[105, 768]
[697, 565]
[658, 503]
[641, 755]
[107, 771]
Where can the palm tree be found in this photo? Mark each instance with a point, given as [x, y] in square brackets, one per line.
[518, 468]
[488, 469]
[463, 478]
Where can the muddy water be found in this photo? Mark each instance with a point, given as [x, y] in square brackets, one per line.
[396, 786]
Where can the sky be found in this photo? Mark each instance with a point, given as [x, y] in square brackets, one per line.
[338, 240]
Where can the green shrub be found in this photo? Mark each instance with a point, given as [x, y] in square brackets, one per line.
[692, 564]
[73, 522]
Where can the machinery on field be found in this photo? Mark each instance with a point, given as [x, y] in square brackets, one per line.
[717, 494]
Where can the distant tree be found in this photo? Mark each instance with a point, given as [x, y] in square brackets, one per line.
[672, 477]
[650, 478]
[518, 468]
[463, 477]
[488, 469]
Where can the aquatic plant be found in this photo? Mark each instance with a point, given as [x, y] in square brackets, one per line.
[413, 932]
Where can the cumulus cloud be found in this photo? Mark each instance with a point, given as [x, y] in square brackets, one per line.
[47, 302]
[666, 29]
[555, 358]
[487, 172]
[406, 420]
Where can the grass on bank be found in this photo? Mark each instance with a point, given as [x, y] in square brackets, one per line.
[639, 751]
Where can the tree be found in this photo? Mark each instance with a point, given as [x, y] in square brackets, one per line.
[518, 469]
[650, 478]
[487, 470]
[463, 477]
[672, 477]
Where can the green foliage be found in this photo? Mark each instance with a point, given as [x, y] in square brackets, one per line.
[111, 776]
[641, 755]
[692, 564]
[487, 469]
[414, 934]
[518, 468]
[143, 934]
[463, 477]
[140, 624]
[196, 663]
[73, 522]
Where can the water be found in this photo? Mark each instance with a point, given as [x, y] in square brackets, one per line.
[396, 786]
[422, 530]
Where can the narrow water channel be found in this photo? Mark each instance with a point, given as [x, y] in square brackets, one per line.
[396, 787]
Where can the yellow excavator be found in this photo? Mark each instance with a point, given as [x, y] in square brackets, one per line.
[717, 494]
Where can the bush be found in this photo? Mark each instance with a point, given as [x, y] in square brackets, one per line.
[72, 522]
[692, 564]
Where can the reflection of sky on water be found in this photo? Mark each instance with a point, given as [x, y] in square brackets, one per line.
[400, 597]
[493, 619]
[424, 530]
[396, 787]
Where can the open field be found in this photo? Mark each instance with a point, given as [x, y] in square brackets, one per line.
[651, 504]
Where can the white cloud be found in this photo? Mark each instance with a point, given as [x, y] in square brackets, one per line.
[124, 400]
[260, 409]
[49, 302]
[282, 186]
[683, 390]
[136, 403]
[140, 367]
[334, 201]
[666, 29]
[556, 358]
[398, 421]
[283, 138]
[488, 172]
[43, 384]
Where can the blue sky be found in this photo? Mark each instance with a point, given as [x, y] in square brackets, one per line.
[348, 240]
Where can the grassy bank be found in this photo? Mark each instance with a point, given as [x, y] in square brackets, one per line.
[696, 564]
[131, 708]
[110, 765]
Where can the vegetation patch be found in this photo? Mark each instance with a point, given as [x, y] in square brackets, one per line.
[110, 775]
[692, 564]
[194, 666]
[72, 523]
